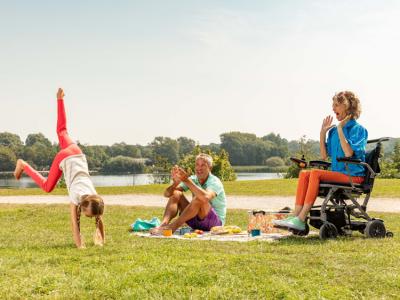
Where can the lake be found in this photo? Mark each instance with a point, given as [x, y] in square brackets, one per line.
[130, 180]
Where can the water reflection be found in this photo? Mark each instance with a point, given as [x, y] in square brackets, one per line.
[130, 180]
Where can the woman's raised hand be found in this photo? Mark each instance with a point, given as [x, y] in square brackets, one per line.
[60, 93]
[326, 124]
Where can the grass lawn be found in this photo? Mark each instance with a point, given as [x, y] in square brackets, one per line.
[38, 260]
[273, 187]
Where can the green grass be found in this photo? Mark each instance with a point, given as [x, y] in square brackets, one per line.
[273, 187]
[38, 260]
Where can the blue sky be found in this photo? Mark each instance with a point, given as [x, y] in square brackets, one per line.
[133, 70]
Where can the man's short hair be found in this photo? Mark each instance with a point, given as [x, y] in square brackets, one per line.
[207, 158]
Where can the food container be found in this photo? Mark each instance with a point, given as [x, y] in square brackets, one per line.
[262, 220]
[184, 230]
[167, 232]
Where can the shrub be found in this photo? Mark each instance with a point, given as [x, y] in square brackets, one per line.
[123, 164]
[7, 159]
[274, 161]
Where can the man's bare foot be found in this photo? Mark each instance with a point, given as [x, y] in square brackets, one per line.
[19, 168]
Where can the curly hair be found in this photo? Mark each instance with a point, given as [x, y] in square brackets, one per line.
[351, 102]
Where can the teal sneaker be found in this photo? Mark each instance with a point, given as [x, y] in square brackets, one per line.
[278, 223]
[294, 223]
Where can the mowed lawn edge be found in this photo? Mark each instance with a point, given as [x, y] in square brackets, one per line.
[386, 188]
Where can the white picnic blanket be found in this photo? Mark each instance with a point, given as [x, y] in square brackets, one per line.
[207, 236]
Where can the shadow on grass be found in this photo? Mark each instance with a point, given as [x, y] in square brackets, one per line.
[315, 240]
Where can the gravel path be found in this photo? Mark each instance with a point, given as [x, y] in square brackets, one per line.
[239, 202]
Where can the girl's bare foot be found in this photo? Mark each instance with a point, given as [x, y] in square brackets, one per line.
[19, 168]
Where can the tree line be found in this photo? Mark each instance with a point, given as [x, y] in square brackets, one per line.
[240, 149]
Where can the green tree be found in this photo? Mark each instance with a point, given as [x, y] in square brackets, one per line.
[295, 147]
[145, 151]
[280, 145]
[185, 145]
[235, 143]
[123, 164]
[43, 155]
[396, 157]
[390, 167]
[161, 164]
[7, 159]
[165, 148]
[248, 149]
[306, 151]
[96, 156]
[124, 150]
[274, 161]
[222, 167]
[11, 141]
[34, 138]
[213, 147]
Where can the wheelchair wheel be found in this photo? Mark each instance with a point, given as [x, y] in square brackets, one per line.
[328, 231]
[389, 234]
[299, 232]
[375, 229]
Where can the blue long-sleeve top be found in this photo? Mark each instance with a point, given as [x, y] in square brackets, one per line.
[357, 136]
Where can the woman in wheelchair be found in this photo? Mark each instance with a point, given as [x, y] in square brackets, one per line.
[347, 139]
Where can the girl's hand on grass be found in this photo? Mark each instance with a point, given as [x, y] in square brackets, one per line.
[97, 238]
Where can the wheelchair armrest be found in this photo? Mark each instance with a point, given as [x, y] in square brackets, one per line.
[357, 161]
[300, 162]
[383, 139]
[320, 163]
[349, 160]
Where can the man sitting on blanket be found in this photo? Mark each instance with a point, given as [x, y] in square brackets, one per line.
[208, 206]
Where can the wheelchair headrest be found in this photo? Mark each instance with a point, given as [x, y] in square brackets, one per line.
[372, 156]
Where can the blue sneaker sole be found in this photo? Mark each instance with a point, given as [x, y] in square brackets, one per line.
[289, 228]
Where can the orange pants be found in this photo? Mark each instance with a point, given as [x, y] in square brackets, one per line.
[308, 184]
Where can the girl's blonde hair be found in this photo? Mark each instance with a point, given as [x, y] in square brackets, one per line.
[94, 203]
[351, 102]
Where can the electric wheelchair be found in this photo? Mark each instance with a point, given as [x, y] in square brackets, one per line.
[344, 208]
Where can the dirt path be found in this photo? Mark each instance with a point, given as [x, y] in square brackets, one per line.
[239, 202]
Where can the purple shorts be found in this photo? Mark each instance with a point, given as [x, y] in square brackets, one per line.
[207, 223]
